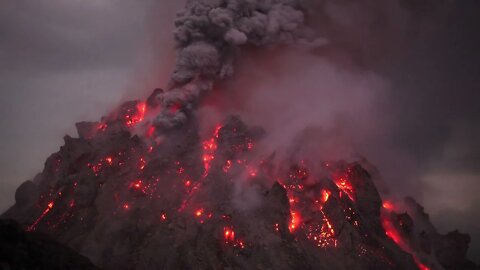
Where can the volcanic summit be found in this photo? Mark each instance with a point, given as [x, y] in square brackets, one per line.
[149, 186]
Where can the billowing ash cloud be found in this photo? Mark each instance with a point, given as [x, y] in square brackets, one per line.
[208, 35]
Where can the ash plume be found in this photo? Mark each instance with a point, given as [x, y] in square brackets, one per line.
[274, 192]
[208, 35]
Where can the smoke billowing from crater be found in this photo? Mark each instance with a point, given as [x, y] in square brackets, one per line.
[208, 36]
[193, 186]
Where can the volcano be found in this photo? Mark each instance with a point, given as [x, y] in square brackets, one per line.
[129, 196]
[146, 187]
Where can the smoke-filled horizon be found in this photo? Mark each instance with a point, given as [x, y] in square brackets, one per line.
[397, 84]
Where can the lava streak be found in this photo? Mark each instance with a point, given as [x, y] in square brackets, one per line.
[209, 149]
[392, 233]
[45, 212]
[345, 187]
[295, 220]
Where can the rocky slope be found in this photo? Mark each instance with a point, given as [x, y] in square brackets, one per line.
[130, 197]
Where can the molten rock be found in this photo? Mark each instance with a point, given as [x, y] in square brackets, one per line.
[129, 197]
[31, 250]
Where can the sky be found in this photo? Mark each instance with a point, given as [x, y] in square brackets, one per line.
[67, 61]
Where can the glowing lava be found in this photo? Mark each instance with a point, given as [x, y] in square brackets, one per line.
[209, 149]
[345, 187]
[133, 118]
[295, 220]
[392, 233]
[45, 212]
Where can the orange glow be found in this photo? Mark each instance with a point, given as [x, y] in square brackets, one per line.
[137, 184]
[209, 149]
[294, 221]
[228, 165]
[229, 234]
[109, 160]
[292, 200]
[241, 244]
[421, 266]
[199, 212]
[138, 116]
[45, 212]
[393, 234]
[325, 195]
[102, 127]
[142, 163]
[346, 187]
[388, 205]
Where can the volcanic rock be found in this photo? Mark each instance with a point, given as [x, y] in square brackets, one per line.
[128, 198]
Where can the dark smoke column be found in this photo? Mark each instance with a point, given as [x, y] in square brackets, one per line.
[209, 34]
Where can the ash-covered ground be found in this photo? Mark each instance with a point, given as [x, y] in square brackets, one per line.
[129, 196]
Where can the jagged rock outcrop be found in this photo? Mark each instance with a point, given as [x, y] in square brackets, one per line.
[129, 197]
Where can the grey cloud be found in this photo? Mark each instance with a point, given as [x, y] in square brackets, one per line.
[207, 35]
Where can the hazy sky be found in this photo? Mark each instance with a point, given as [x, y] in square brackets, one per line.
[67, 61]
